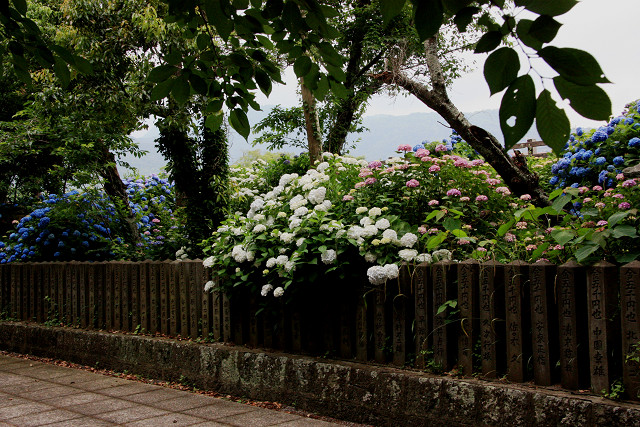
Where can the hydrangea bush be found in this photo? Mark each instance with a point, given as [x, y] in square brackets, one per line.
[83, 226]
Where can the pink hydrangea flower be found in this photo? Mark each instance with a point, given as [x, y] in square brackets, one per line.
[629, 183]
[422, 153]
[531, 247]
[464, 199]
[463, 242]
[433, 203]
[525, 197]
[433, 231]
[402, 166]
[600, 205]
[369, 181]
[364, 172]
[589, 224]
[347, 197]
[422, 229]
[461, 163]
[481, 249]
[155, 220]
[404, 147]
[375, 164]
[477, 162]
[454, 192]
[412, 183]
[434, 168]
[597, 188]
[583, 190]
[620, 177]
[624, 205]
[441, 147]
[602, 223]
[493, 181]
[618, 196]
[482, 198]
[586, 200]
[522, 225]
[509, 237]
[557, 248]
[360, 184]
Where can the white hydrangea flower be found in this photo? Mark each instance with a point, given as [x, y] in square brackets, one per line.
[442, 255]
[361, 210]
[322, 166]
[239, 254]
[382, 224]
[377, 275]
[408, 240]
[301, 211]
[286, 179]
[423, 258]
[294, 222]
[392, 271]
[366, 221]
[287, 237]
[251, 256]
[257, 204]
[408, 254]
[317, 195]
[289, 266]
[208, 286]
[300, 241]
[259, 228]
[340, 233]
[265, 290]
[237, 231]
[223, 229]
[329, 256]
[281, 214]
[271, 262]
[277, 190]
[369, 257]
[278, 292]
[373, 212]
[270, 221]
[259, 217]
[282, 259]
[180, 252]
[297, 202]
[369, 231]
[390, 234]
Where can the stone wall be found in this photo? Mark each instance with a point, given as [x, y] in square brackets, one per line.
[351, 391]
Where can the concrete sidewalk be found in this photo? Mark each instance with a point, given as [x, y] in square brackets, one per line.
[34, 394]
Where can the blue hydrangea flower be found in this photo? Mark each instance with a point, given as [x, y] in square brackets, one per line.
[618, 160]
[599, 136]
[417, 147]
[629, 121]
[634, 142]
[601, 161]
[553, 180]
[579, 131]
[602, 176]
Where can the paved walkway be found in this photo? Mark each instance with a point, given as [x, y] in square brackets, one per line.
[35, 394]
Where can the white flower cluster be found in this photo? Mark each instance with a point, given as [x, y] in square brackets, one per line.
[240, 255]
[208, 286]
[442, 255]
[379, 274]
[182, 253]
[329, 256]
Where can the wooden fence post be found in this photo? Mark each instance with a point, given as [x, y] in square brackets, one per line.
[515, 280]
[380, 326]
[602, 291]
[196, 285]
[400, 314]
[134, 307]
[491, 317]
[423, 294]
[629, 295]
[443, 276]
[468, 272]
[143, 269]
[543, 315]
[362, 328]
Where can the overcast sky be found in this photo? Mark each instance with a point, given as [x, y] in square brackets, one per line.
[609, 30]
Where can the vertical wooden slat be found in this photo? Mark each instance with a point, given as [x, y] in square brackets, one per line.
[196, 284]
[82, 295]
[15, 290]
[164, 270]
[134, 279]
[154, 297]
[71, 289]
[602, 291]
[468, 272]
[60, 276]
[629, 294]
[117, 295]
[125, 296]
[40, 292]
[491, 317]
[346, 334]
[109, 297]
[543, 315]
[100, 289]
[379, 326]
[216, 314]
[399, 317]
[143, 271]
[206, 304]
[422, 330]
[183, 292]
[571, 288]
[362, 331]
[25, 278]
[174, 298]
[226, 318]
[443, 277]
[515, 279]
[253, 322]
[91, 295]
[48, 308]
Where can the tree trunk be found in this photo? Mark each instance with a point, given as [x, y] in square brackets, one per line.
[117, 192]
[312, 124]
[518, 178]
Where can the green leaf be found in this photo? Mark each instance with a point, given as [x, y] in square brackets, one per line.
[589, 101]
[264, 82]
[544, 28]
[501, 68]
[555, 193]
[617, 217]
[452, 224]
[21, 6]
[82, 65]
[214, 121]
[547, 7]
[161, 73]
[203, 41]
[559, 203]
[539, 250]
[552, 122]
[181, 90]
[575, 65]
[489, 41]
[390, 9]
[217, 16]
[505, 227]
[464, 17]
[198, 84]
[162, 90]
[428, 16]
[624, 231]
[302, 66]
[623, 259]
[272, 9]
[519, 103]
[562, 237]
[62, 72]
[238, 121]
[584, 251]
[459, 233]
[522, 30]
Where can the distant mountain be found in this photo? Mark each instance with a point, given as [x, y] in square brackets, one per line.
[384, 134]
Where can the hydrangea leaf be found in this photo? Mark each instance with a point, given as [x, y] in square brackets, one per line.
[428, 17]
[574, 65]
[584, 251]
[589, 101]
[552, 122]
[559, 203]
[562, 237]
[617, 217]
[518, 106]
[546, 7]
[501, 68]
[239, 122]
[624, 231]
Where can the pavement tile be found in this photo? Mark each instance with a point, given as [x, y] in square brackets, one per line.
[183, 403]
[74, 399]
[73, 378]
[48, 392]
[23, 409]
[128, 415]
[81, 422]
[30, 384]
[154, 396]
[168, 420]
[258, 418]
[106, 404]
[220, 409]
[125, 389]
[211, 424]
[44, 372]
[99, 382]
[42, 418]
[307, 422]
[12, 401]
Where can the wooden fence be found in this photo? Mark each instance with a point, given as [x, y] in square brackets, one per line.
[531, 145]
[567, 325]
